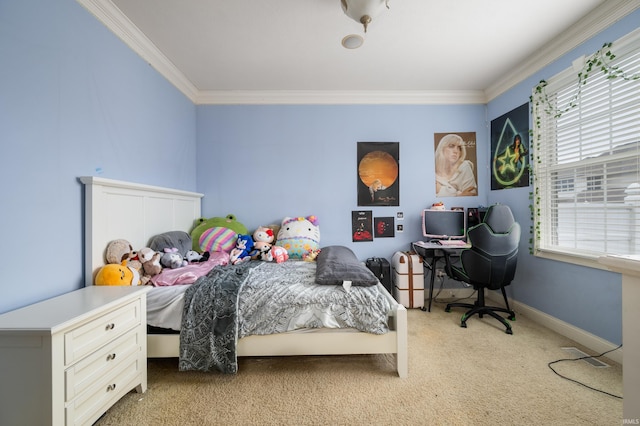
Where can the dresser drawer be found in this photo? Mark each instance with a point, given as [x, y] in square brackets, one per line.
[91, 336]
[92, 368]
[98, 397]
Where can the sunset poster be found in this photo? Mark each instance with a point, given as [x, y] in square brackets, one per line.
[378, 173]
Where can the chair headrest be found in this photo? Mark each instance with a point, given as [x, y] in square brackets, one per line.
[499, 218]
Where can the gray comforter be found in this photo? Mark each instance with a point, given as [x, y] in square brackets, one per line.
[265, 298]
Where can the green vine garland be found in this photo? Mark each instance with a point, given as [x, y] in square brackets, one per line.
[540, 104]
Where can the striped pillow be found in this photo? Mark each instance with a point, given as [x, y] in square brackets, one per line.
[218, 239]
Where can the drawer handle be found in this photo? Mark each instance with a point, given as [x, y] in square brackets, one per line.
[111, 357]
[111, 387]
[110, 326]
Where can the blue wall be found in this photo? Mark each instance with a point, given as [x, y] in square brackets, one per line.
[77, 101]
[74, 101]
[263, 163]
[588, 298]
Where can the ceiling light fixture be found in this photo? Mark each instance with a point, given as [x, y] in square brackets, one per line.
[352, 41]
[363, 11]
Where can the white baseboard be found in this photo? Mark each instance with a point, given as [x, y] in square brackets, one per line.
[588, 340]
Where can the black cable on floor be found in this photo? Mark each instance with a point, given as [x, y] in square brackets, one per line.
[579, 359]
[441, 288]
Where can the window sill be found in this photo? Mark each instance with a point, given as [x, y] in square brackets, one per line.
[581, 260]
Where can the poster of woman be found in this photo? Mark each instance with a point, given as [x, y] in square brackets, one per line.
[455, 160]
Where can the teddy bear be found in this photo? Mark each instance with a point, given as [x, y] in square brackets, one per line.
[113, 274]
[242, 250]
[299, 235]
[150, 261]
[171, 258]
[121, 250]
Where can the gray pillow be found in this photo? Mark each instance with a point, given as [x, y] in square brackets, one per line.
[336, 264]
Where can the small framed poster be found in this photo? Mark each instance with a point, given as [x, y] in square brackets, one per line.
[362, 225]
[383, 227]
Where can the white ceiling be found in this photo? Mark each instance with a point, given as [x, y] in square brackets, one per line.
[215, 49]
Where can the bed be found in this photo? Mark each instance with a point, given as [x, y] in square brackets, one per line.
[118, 209]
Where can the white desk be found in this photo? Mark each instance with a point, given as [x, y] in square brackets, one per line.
[629, 267]
[432, 253]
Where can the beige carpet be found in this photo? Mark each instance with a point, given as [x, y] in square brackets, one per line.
[473, 376]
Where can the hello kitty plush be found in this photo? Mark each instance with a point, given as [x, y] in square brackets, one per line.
[262, 242]
[264, 235]
[299, 235]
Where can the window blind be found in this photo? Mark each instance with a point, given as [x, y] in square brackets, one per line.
[586, 164]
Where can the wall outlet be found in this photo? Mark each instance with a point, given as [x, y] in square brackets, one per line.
[440, 273]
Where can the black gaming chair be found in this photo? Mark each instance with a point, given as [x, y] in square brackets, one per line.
[489, 263]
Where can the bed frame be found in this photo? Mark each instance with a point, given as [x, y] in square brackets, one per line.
[116, 209]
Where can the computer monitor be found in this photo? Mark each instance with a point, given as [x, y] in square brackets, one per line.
[444, 224]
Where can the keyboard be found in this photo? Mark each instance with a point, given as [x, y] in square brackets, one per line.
[453, 243]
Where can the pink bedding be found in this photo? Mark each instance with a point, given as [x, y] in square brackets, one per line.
[190, 273]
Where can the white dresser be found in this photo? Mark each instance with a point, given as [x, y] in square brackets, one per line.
[66, 360]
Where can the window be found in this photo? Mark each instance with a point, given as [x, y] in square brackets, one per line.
[587, 161]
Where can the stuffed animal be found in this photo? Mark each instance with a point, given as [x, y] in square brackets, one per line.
[311, 255]
[263, 234]
[262, 251]
[121, 250]
[299, 235]
[262, 243]
[193, 256]
[217, 234]
[150, 261]
[114, 274]
[171, 258]
[242, 250]
[172, 239]
[279, 254]
[118, 251]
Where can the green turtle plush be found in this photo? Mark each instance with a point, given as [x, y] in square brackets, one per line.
[216, 234]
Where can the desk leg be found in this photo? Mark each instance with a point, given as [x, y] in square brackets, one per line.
[433, 276]
[432, 269]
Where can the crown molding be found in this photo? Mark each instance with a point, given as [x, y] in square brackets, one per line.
[340, 97]
[600, 18]
[116, 21]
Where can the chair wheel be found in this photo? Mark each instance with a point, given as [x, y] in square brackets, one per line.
[447, 309]
[509, 331]
[511, 317]
[463, 324]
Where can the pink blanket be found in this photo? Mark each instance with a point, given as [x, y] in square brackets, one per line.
[190, 273]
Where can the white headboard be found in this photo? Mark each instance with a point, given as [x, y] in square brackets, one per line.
[134, 212]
